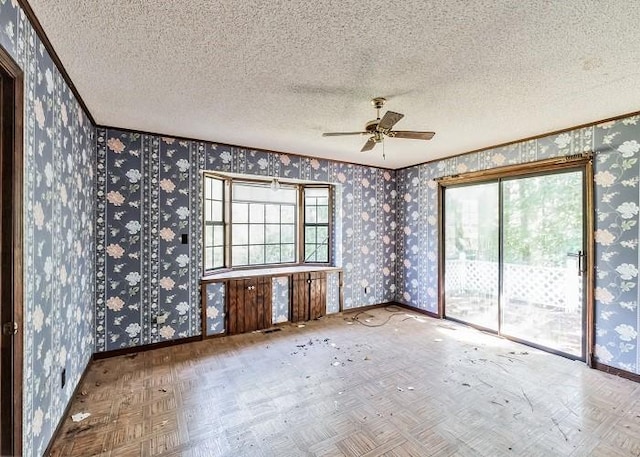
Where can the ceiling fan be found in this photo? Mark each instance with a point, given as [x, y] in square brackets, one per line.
[379, 128]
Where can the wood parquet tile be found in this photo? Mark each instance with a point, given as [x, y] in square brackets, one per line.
[411, 388]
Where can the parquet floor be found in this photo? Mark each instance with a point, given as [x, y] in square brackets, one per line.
[413, 387]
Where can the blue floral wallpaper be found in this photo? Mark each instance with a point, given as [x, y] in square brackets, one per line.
[59, 254]
[280, 299]
[616, 174]
[215, 311]
[149, 198]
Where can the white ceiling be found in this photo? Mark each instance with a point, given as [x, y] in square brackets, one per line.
[275, 74]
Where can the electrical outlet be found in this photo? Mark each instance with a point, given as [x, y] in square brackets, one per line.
[63, 378]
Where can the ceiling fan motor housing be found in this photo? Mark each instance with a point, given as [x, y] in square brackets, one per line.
[378, 102]
[371, 126]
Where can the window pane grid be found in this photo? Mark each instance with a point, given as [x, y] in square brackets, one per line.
[263, 226]
[269, 219]
[213, 239]
[316, 225]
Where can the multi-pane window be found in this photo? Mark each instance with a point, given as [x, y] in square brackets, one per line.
[251, 224]
[214, 239]
[263, 224]
[316, 224]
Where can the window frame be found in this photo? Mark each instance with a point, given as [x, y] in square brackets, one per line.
[231, 201]
[205, 223]
[329, 224]
[299, 230]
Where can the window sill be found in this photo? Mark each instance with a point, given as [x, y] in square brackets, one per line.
[274, 271]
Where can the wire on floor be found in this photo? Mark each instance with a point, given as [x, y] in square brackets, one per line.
[392, 309]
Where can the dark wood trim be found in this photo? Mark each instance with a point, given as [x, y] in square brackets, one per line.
[590, 245]
[415, 310]
[441, 240]
[12, 256]
[248, 148]
[31, 16]
[616, 371]
[203, 311]
[145, 348]
[523, 140]
[521, 169]
[67, 409]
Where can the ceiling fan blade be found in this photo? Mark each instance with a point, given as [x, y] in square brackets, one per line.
[344, 133]
[411, 134]
[368, 146]
[389, 119]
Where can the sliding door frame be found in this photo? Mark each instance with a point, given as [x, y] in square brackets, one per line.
[581, 162]
[11, 250]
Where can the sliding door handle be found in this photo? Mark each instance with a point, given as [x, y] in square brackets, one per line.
[580, 255]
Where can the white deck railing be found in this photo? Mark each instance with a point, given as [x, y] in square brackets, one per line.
[545, 286]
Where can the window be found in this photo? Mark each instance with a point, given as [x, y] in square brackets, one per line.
[263, 224]
[252, 225]
[214, 239]
[316, 224]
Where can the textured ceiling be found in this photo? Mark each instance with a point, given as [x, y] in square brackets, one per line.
[275, 74]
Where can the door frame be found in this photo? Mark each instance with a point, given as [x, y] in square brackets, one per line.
[11, 258]
[582, 162]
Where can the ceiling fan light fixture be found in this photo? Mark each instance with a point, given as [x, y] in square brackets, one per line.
[378, 128]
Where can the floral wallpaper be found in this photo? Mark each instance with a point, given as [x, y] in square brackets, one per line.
[616, 174]
[59, 253]
[215, 308]
[280, 299]
[149, 200]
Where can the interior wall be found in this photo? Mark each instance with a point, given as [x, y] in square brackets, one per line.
[149, 195]
[59, 257]
[616, 146]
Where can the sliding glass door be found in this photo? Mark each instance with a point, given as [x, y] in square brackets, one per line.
[515, 258]
[543, 260]
[471, 254]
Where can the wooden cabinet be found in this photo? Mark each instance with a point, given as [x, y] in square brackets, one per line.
[309, 296]
[240, 301]
[249, 304]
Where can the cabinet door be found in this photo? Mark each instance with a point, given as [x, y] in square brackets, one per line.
[249, 305]
[317, 294]
[309, 297]
[263, 303]
[300, 298]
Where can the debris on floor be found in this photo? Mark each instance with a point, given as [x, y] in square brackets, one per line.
[437, 340]
[301, 325]
[336, 364]
[77, 417]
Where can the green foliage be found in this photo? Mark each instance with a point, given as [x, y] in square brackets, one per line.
[542, 220]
